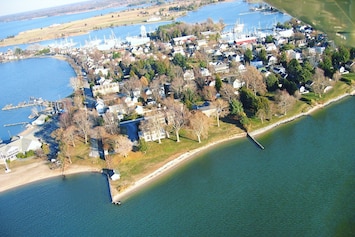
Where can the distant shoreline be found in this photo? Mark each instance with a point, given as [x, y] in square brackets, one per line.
[84, 26]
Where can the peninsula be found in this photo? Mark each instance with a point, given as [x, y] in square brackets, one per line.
[170, 93]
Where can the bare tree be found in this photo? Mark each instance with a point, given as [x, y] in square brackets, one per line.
[65, 120]
[123, 145]
[76, 83]
[177, 85]
[253, 80]
[82, 122]
[199, 124]
[320, 82]
[132, 84]
[111, 123]
[284, 101]
[69, 134]
[337, 76]
[156, 87]
[222, 109]
[176, 115]
[261, 114]
[209, 93]
[78, 101]
[228, 92]
[64, 155]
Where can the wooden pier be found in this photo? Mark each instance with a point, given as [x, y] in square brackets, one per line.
[31, 102]
[15, 124]
[255, 141]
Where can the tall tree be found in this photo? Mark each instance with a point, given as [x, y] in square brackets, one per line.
[228, 92]
[111, 123]
[82, 122]
[284, 101]
[248, 55]
[199, 124]
[236, 108]
[177, 85]
[320, 82]
[131, 85]
[222, 108]
[218, 84]
[176, 114]
[123, 145]
[69, 134]
[253, 80]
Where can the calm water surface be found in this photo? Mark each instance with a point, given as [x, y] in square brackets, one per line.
[47, 78]
[302, 184]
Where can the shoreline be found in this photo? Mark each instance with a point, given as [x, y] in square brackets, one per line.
[23, 175]
[37, 171]
[138, 185]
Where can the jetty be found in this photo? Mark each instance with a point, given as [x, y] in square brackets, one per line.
[255, 141]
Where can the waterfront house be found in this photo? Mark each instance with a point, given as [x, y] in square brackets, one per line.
[18, 145]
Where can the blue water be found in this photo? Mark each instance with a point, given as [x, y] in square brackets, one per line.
[302, 184]
[228, 12]
[15, 27]
[235, 11]
[47, 78]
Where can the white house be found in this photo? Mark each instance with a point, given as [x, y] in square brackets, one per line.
[40, 120]
[237, 84]
[100, 106]
[18, 145]
[106, 88]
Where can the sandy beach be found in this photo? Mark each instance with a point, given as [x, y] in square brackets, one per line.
[26, 174]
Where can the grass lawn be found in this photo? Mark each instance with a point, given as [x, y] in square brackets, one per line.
[139, 164]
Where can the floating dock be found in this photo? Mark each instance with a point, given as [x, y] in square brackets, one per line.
[255, 141]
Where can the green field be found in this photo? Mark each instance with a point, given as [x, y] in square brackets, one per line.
[334, 17]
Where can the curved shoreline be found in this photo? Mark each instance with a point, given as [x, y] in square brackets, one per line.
[37, 171]
[118, 196]
[27, 174]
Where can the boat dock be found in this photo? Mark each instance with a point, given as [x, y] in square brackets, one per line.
[15, 124]
[255, 141]
[31, 102]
